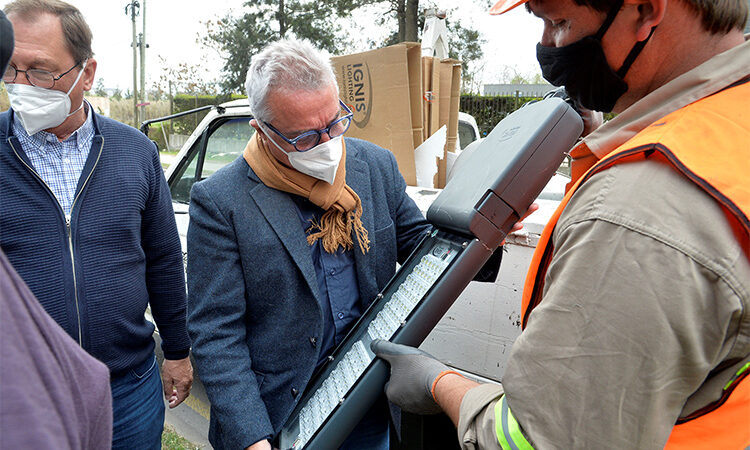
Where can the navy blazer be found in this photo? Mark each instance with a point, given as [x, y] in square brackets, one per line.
[253, 308]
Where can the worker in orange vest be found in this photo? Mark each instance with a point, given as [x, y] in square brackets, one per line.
[636, 309]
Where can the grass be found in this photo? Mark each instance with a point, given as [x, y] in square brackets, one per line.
[170, 440]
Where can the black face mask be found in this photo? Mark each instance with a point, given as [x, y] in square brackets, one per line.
[582, 68]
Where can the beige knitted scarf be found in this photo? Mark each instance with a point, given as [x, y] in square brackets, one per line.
[343, 208]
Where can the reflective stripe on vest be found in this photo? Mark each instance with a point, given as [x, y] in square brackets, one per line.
[709, 143]
[509, 434]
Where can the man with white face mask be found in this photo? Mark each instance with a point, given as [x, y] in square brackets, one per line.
[87, 220]
[298, 236]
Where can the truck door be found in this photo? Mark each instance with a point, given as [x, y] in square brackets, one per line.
[220, 143]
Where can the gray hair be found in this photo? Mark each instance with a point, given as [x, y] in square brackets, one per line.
[75, 29]
[288, 65]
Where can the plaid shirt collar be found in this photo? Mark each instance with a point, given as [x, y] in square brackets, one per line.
[80, 140]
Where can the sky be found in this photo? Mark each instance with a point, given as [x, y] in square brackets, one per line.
[173, 28]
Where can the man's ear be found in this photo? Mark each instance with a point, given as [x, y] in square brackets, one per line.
[254, 124]
[89, 73]
[258, 131]
[651, 13]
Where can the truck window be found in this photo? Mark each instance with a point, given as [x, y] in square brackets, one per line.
[466, 134]
[226, 142]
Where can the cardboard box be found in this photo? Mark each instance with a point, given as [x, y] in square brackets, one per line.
[450, 96]
[427, 95]
[382, 87]
[399, 99]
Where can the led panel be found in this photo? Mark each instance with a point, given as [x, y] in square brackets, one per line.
[382, 321]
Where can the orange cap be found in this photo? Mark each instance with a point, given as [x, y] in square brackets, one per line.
[504, 6]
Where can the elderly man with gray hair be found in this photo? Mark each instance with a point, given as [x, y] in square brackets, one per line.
[300, 235]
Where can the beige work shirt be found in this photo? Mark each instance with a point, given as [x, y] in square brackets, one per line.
[644, 312]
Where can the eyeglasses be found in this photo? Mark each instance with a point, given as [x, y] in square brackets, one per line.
[37, 77]
[310, 139]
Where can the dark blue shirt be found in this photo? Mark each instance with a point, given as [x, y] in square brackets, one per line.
[337, 283]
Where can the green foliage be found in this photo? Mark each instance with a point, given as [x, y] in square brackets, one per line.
[264, 21]
[183, 102]
[465, 44]
[533, 78]
[155, 134]
[117, 94]
[99, 90]
[183, 78]
[170, 440]
[4, 102]
[122, 110]
[489, 111]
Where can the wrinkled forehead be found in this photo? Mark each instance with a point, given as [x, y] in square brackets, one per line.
[40, 40]
[300, 110]
[34, 17]
[282, 95]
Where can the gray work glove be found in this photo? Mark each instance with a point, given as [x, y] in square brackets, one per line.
[413, 374]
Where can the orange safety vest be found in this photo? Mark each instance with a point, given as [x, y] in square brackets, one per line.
[708, 142]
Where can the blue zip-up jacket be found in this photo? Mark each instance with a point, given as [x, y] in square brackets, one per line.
[96, 271]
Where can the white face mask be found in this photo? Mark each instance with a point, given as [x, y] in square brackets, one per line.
[321, 161]
[39, 108]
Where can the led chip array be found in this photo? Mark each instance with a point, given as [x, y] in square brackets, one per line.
[408, 295]
[332, 391]
[356, 360]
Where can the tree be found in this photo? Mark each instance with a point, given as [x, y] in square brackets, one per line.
[238, 38]
[511, 75]
[408, 20]
[464, 44]
[184, 78]
[117, 94]
[100, 90]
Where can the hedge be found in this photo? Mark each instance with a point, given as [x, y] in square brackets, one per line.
[488, 111]
[184, 102]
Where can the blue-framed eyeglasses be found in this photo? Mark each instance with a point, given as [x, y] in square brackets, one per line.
[310, 139]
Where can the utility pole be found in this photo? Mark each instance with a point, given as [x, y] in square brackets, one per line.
[141, 89]
[143, 62]
[132, 9]
[171, 106]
